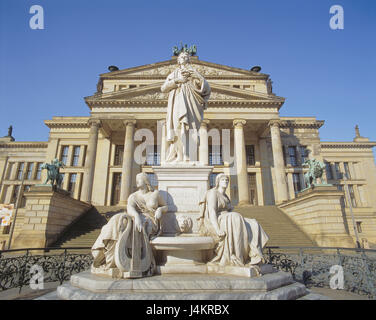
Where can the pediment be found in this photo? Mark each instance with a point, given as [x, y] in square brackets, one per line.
[163, 69]
[152, 94]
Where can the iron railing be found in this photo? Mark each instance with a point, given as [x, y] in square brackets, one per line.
[308, 265]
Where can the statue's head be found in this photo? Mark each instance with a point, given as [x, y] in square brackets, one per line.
[142, 181]
[222, 180]
[183, 58]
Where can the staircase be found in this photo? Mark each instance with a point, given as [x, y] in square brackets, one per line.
[282, 231]
[86, 229]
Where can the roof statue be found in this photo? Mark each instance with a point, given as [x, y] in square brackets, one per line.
[192, 50]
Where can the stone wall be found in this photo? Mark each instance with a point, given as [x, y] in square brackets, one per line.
[47, 215]
[319, 213]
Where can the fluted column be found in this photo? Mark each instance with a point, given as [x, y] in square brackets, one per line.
[204, 146]
[241, 161]
[163, 141]
[279, 166]
[88, 180]
[126, 171]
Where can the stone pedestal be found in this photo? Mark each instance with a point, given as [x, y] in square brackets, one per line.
[318, 212]
[182, 186]
[48, 212]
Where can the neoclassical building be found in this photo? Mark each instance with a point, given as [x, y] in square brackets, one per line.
[98, 151]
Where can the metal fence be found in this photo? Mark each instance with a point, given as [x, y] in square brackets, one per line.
[318, 266]
[308, 265]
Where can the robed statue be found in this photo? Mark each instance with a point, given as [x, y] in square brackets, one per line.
[189, 93]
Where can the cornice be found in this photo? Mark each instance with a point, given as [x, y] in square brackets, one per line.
[348, 145]
[21, 144]
[53, 124]
[301, 125]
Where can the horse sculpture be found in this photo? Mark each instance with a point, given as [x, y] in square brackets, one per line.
[315, 171]
[53, 172]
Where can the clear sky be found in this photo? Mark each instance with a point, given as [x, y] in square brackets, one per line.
[321, 72]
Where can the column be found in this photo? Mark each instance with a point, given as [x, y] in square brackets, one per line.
[204, 146]
[34, 171]
[88, 178]
[77, 187]
[126, 171]
[290, 182]
[70, 156]
[163, 141]
[279, 166]
[241, 163]
[81, 158]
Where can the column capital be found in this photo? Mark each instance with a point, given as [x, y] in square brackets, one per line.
[274, 123]
[205, 122]
[95, 123]
[239, 123]
[129, 122]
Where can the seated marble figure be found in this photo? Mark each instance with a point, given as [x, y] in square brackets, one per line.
[239, 241]
[144, 209]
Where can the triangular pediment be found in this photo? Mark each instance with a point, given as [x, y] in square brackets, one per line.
[152, 93]
[162, 69]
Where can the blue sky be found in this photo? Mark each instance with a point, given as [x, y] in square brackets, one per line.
[321, 72]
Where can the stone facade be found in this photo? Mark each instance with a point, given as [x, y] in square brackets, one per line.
[102, 157]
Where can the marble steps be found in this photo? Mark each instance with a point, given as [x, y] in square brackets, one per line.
[281, 229]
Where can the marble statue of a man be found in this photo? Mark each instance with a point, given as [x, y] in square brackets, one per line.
[189, 93]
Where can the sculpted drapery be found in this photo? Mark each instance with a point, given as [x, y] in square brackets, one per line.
[189, 93]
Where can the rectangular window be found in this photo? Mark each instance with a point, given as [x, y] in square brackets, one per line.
[359, 226]
[236, 86]
[64, 154]
[153, 180]
[116, 183]
[352, 196]
[153, 157]
[20, 170]
[292, 155]
[338, 171]
[23, 201]
[119, 152]
[76, 156]
[329, 173]
[10, 169]
[250, 154]
[30, 167]
[215, 155]
[131, 86]
[347, 170]
[13, 199]
[72, 183]
[303, 154]
[39, 171]
[296, 181]
[212, 178]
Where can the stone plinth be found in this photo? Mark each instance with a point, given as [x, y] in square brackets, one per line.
[182, 186]
[48, 212]
[274, 286]
[319, 213]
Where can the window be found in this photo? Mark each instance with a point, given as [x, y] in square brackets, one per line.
[64, 154]
[250, 155]
[116, 183]
[329, 173]
[352, 196]
[246, 87]
[39, 171]
[236, 86]
[212, 178]
[20, 170]
[119, 152]
[292, 155]
[29, 172]
[131, 86]
[13, 199]
[23, 201]
[338, 171]
[215, 155]
[153, 157]
[76, 156]
[347, 170]
[296, 181]
[72, 183]
[10, 168]
[359, 226]
[153, 180]
[303, 154]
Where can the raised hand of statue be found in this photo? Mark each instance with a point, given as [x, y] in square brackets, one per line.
[181, 80]
[138, 223]
[221, 234]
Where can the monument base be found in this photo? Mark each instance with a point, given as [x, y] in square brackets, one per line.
[274, 286]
